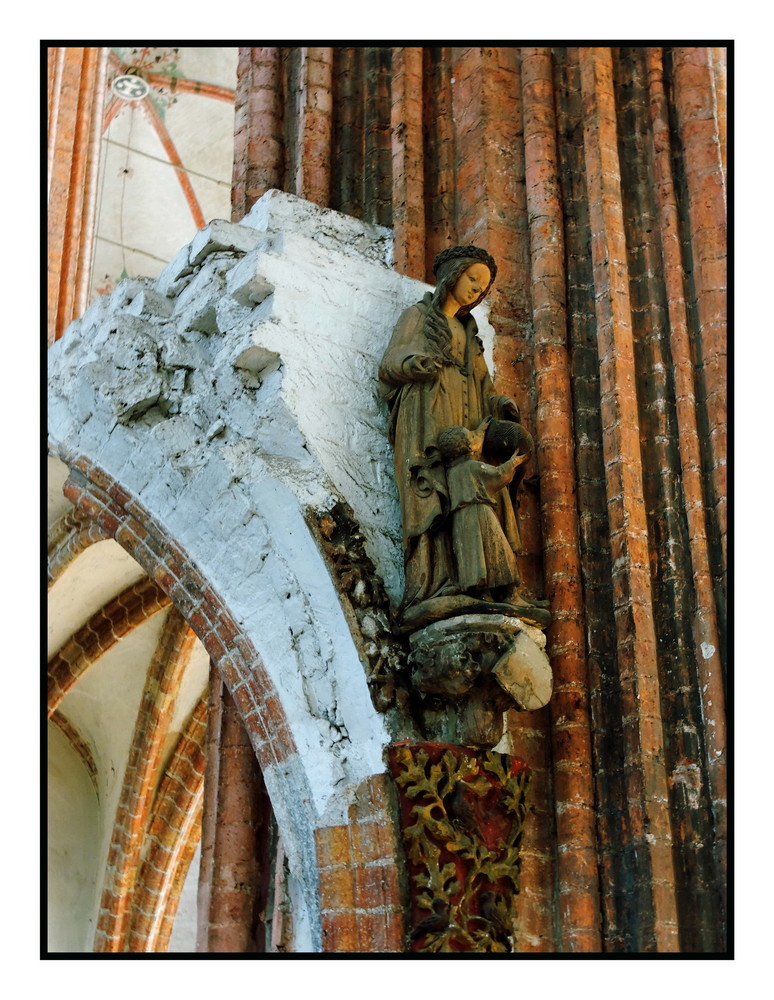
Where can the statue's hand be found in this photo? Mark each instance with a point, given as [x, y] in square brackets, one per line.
[422, 367]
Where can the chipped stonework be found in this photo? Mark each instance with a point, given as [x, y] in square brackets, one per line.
[366, 605]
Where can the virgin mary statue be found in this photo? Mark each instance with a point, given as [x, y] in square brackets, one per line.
[434, 376]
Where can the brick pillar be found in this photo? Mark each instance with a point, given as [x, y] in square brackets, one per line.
[76, 87]
[347, 160]
[361, 893]
[440, 182]
[719, 72]
[312, 174]
[578, 884]
[643, 733]
[377, 181]
[707, 644]
[695, 100]
[234, 871]
[491, 210]
[408, 192]
[259, 154]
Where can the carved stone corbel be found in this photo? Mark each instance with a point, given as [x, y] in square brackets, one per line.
[468, 670]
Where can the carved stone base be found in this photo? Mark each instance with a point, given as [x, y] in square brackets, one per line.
[470, 669]
[462, 816]
[437, 609]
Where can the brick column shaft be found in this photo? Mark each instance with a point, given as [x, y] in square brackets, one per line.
[697, 114]
[706, 636]
[259, 154]
[643, 732]
[77, 94]
[408, 194]
[491, 210]
[233, 873]
[577, 874]
[313, 165]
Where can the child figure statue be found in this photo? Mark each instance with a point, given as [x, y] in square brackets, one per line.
[484, 560]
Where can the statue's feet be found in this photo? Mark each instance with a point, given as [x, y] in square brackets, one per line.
[516, 599]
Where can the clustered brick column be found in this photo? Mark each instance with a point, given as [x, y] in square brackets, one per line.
[633, 601]
[408, 195]
[697, 115]
[596, 177]
[706, 632]
[297, 110]
[258, 139]
[76, 80]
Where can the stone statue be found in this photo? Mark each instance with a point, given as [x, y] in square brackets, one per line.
[434, 377]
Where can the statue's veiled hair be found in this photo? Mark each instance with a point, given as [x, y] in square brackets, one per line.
[447, 267]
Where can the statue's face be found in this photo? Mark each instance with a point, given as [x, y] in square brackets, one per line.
[471, 285]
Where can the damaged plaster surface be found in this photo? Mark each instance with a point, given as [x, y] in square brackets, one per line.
[232, 395]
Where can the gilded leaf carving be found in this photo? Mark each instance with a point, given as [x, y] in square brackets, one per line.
[463, 818]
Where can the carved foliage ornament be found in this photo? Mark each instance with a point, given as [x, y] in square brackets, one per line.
[462, 813]
[364, 601]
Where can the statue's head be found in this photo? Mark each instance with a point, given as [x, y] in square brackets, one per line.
[454, 442]
[465, 271]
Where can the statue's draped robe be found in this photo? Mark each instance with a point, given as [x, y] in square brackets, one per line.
[483, 554]
[460, 395]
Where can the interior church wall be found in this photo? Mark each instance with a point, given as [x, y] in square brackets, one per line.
[597, 178]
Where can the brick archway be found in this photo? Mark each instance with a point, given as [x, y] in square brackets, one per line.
[122, 516]
[351, 880]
